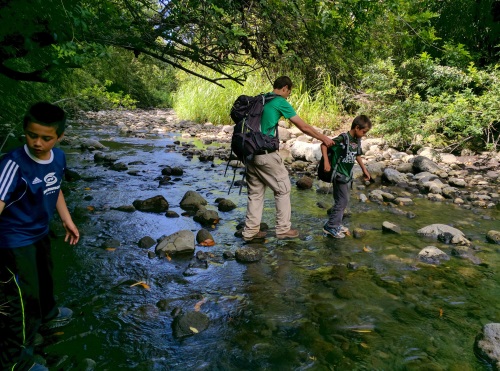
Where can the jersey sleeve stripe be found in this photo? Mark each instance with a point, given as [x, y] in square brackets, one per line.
[7, 177]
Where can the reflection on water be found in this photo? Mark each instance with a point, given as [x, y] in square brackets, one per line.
[313, 303]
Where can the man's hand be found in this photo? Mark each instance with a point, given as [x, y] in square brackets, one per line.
[327, 141]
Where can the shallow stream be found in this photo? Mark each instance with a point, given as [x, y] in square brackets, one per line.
[314, 303]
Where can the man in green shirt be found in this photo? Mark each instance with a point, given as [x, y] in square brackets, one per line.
[267, 169]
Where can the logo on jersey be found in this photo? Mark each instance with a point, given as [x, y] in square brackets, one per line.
[50, 179]
[36, 180]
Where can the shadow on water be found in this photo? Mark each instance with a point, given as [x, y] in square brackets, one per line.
[313, 303]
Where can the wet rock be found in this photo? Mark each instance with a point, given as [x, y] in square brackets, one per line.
[164, 180]
[432, 255]
[393, 176]
[125, 208]
[203, 235]
[304, 183]
[192, 201]
[146, 242]
[181, 242]
[456, 182]
[91, 145]
[171, 214]
[177, 171]
[493, 237]
[110, 244]
[206, 217]
[226, 205]
[403, 201]
[189, 324]
[435, 230]
[105, 157]
[71, 175]
[119, 166]
[249, 254]
[151, 254]
[389, 227]
[156, 204]
[487, 344]
[229, 255]
[422, 163]
[358, 233]
[206, 156]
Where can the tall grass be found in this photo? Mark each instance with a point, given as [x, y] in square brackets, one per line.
[202, 101]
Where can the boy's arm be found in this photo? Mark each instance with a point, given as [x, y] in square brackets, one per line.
[326, 159]
[72, 233]
[309, 130]
[367, 175]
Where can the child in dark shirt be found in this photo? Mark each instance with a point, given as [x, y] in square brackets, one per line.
[30, 192]
[360, 126]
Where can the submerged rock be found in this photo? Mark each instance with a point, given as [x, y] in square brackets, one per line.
[189, 324]
[432, 255]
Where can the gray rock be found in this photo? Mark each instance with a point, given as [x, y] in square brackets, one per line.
[432, 255]
[181, 242]
[456, 182]
[393, 176]
[421, 163]
[156, 204]
[111, 244]
[192, 201]
[249, 254]
[206, 217]
[444, 232]
[390, 227]
[203, 235]
[146, 242]
[488, 344]
[226, 205]
[493, 237]
[105, 157]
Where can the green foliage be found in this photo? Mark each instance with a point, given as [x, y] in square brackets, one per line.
[202, 101]
[424, 101]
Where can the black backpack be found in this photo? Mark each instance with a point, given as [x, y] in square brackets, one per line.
[332, 176]
[247, 138]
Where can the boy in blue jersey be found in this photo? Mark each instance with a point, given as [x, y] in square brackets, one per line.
[30, 192]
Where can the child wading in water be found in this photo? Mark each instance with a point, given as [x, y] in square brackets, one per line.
[360, 126]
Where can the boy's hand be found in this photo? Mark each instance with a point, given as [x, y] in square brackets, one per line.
[327, 141]
[366, 176]
[72, 234]
[327, 167]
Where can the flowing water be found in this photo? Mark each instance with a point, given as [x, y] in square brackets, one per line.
[314, 303]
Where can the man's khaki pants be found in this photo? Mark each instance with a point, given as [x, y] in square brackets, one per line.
[265, 171]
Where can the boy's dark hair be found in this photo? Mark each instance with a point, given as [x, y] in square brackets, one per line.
[46, 114]
[281, 82]
[362, 121]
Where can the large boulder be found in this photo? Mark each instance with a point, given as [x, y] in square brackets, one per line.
[421, 164]
[306, 151]
[181, 242]
[444, 233]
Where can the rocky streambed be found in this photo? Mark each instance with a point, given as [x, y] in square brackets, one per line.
[161, 278]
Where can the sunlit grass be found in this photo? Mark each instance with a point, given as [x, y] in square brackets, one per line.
[201, 101]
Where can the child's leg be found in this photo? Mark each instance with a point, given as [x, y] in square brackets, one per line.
[341, 199]
[20, 299]
[45, 266]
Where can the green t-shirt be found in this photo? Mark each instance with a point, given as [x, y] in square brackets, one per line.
[273, 110]
[346, 164]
